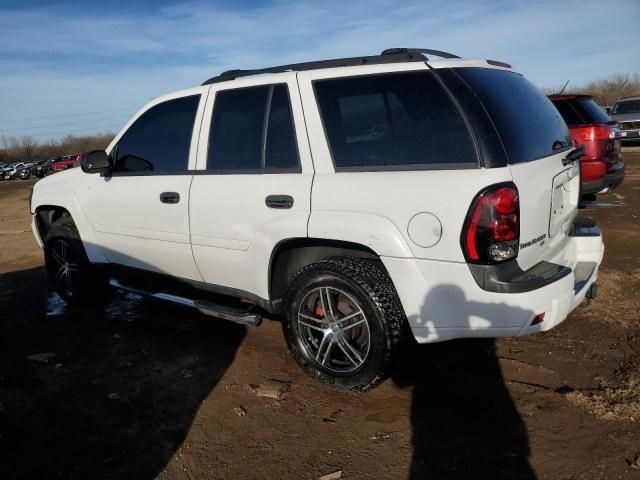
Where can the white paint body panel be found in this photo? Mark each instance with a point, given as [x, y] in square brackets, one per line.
[135, 229]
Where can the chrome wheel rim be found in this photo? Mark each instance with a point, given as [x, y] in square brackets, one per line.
[334, 329]
[65, 267]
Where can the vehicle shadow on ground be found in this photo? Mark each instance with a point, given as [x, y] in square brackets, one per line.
[120, 394]
[464, 422]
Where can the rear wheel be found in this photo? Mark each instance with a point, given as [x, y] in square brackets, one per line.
[343, 322]
[72, 276]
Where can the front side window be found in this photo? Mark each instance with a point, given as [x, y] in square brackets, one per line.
[252, 131]
[393, 121]
[159, 141]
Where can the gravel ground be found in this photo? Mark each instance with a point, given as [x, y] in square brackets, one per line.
[141, 389]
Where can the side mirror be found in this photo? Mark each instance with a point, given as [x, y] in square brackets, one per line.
[96, 161]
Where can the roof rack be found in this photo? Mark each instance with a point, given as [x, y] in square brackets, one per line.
[390, 55]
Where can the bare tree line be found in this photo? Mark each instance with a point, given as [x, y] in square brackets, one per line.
[606, 90]
[26, 148]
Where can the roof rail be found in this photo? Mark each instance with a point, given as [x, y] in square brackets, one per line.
[420, 51]
[392, 55]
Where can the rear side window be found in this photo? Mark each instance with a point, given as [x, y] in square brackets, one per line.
[393, 121]
[529, 126]
[252, 131]
[580, 111]
[159, 141]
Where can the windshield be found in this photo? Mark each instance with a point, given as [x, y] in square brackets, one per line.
[629, 106]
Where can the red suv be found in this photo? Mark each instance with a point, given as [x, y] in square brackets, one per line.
[68, 161]
[601, 167]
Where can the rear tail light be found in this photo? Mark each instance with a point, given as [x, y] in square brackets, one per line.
[492, 229]
[589, 133]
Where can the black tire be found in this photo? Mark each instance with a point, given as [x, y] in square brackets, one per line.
[346, 281]
[78, 282]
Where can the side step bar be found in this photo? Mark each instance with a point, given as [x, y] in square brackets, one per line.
[208, 308]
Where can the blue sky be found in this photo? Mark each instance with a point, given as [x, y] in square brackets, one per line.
[85, 67]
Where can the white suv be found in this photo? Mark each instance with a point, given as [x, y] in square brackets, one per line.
[356, 199]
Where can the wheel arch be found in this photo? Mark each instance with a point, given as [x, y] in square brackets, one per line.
[46, 215]
[47, 212]
[291, 255]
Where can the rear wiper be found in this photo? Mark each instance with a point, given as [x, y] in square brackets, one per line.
[573, 156]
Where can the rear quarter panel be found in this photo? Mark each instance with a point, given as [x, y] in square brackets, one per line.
[376, 208]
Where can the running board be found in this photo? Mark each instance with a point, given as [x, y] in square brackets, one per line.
[212, 309]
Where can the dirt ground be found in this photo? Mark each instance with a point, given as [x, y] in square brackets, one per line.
[144, 389]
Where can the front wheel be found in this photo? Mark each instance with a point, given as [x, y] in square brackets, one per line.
[72, 276]
[343, 322]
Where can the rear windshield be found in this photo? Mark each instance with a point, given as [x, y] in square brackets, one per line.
[529, 126]
[629, 106]
[393, 121]
[580, 111]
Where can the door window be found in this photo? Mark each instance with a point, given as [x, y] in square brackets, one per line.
[252, 131]
[159, 141]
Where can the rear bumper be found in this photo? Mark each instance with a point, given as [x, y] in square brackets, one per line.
[443, 300]
[594, 186]
[630, 135]
[615, 176]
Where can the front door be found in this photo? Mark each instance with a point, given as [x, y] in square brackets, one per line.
[141, 212]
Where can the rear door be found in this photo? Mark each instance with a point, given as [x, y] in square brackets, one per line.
[536, 141]
[252, 188]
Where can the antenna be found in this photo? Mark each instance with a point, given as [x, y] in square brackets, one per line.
[565, 86]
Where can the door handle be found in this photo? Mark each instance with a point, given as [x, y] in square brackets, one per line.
[169, 197]
[279, 201]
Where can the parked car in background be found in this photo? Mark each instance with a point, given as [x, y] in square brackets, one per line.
[12, 170]
[4, 168]
[626, 112]
[589, 125]
[65, 162]
[42, 169]
[26, 171]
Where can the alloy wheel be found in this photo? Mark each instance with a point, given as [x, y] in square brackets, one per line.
[334, 329]
[65, 267]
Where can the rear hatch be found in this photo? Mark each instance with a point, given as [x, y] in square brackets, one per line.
[590, 125]
[536, 141]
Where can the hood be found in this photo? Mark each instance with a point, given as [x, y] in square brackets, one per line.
[627, 117]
